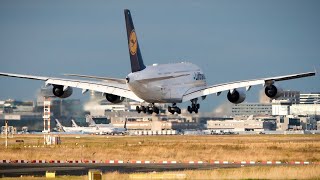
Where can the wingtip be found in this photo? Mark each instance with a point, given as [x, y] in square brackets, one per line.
[315, 70]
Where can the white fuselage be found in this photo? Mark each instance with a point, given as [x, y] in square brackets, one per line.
[94, 130]
[166, 83]
[103, 130]
[72, 129]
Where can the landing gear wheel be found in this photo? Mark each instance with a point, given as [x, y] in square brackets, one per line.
[138, 109]
[169, 108]
[149, 109]
[143, 109]
[194, 106]
[189, 109]
[155, 110]
[174, 109]
[178, 110]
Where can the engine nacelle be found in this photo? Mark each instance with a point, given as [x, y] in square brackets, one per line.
[59, 92]
[114, 98]
[273, 92]
[236, 97]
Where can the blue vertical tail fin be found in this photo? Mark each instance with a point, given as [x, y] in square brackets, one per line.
[134, 50]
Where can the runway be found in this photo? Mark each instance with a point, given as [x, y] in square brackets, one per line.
[19, 168]
[16, 170]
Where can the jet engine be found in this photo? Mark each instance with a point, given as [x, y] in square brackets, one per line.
[273, 92]
[114, 98]
[59, 92]
[236, 97]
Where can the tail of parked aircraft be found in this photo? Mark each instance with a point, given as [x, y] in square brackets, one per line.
[59, 125]
[74, 124]
[134, 50]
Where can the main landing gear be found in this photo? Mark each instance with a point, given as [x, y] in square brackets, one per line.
[151, 108]
[172, 109]
[194, 106]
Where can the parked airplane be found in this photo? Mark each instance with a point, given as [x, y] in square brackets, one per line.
[78, 129]
[113, 130]
[92, 129]
[108, 128]
[166, 83]
[68, 129]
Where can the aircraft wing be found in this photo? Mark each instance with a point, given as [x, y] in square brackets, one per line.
[118, 89]
[122, 81]
[217, 89]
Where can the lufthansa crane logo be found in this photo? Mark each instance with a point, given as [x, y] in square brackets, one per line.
[133, 44]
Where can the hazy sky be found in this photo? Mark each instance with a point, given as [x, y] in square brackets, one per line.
[229, 40]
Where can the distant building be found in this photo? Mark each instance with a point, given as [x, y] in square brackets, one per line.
[14, 106]
[247, 109]
[305, 109]
[23, 111]
[291, 103]
[30, 113]
[318, 125]
[292, 96]
[241, 125]
[311, 98]
[281, 107]
[308, 122]
[1, 107]
[288, 123]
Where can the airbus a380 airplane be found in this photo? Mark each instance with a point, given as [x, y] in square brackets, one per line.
[166, 83]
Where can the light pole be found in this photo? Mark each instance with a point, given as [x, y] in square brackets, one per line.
[6, 124]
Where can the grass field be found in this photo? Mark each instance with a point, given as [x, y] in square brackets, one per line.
[178, 148]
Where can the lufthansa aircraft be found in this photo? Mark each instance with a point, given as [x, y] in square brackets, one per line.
[159, 83]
